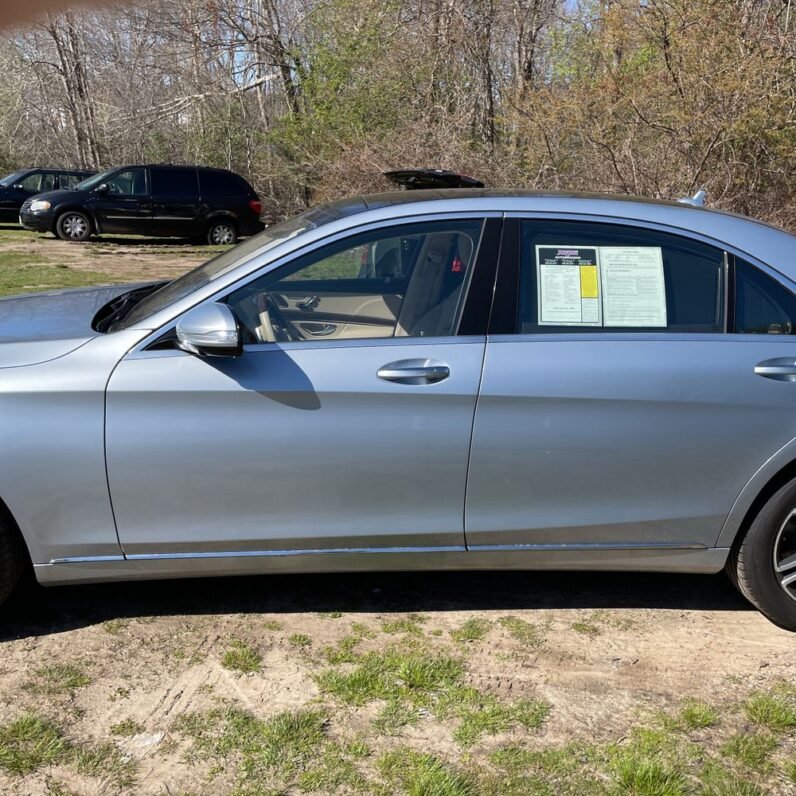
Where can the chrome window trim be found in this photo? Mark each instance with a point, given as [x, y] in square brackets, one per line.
[682, 232]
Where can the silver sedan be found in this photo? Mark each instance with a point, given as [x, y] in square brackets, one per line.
[419, 380]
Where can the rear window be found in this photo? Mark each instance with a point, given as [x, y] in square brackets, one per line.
[174, 183]
[221, 183]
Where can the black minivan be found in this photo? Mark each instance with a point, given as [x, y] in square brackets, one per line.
[211, 205]
[18, 186]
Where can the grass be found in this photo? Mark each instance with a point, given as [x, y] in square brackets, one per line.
[273, 754]
[751, 750]
[418, 774]
[473, 629]
[411, 623]
[106, 761]
[63, 678]
[586, 628]
[772, 711]
[127, 728]
[300, 641]
[242, 658]
[526, 633]
[490, 717]
[28, 743]
[21, 273]
[644, 776]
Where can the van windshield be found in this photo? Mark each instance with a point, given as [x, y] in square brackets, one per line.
[15, 176]
[97, 179]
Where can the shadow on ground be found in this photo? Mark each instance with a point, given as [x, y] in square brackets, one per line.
[35, 611]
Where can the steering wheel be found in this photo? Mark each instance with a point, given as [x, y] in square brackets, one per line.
[284, 330]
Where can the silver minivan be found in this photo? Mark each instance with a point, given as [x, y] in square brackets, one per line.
[418, 380]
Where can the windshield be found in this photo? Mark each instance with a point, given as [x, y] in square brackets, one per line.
[226, 261]
[97, 179]
[15, 176]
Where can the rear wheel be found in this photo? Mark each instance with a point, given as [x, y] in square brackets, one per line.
[12, 557]
[73, 225]
[221, 233]
[763, 565]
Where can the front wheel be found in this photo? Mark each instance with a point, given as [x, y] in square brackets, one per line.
[222, 233]
[73, 225]
[763, 565]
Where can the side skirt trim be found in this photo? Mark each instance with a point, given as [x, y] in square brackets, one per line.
[607, 557]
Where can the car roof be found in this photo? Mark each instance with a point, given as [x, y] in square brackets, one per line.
[755, 239]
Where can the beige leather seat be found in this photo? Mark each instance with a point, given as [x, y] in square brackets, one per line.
[431, 296]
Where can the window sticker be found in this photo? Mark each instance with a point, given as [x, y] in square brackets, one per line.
[569, 286]
[620, 286]
[634, 292]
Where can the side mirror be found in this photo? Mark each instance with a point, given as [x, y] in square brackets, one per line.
[102, 188]
[209, 331]
[19, 186]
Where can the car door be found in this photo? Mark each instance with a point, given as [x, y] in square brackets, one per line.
[353, 440]
[175, 202]
[122, 204]
[620, 404]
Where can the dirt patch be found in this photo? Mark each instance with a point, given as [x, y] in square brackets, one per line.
[605, 653]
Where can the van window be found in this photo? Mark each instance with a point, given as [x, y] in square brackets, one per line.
[174, 183]
[220, 183]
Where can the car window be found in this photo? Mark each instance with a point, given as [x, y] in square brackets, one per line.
[582, 276]
[174, 183]
[220, 183]
[69, 180]
[12, 179]
[127, 183]
[762, 305]
[404, 281]
[38, 182]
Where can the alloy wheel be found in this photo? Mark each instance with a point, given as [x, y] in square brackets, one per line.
[222, 234]
[74, 226]
[785, 555]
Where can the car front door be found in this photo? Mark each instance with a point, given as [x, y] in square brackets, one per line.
[620, 407]
[175, 202]
[345, 424]
[122, 204]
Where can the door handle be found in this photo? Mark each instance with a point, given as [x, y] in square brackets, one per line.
[414, 371]
[779, 369]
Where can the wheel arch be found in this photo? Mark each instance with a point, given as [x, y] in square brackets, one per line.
[78, 208]
[7, 517]
[772, 476]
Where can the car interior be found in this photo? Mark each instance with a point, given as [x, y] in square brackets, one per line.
[405, 286]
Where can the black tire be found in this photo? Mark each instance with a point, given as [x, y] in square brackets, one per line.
[755, 565]
[73, 225]
[222, 232]
[12, 557]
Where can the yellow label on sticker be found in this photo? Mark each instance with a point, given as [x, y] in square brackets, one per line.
[588, 281]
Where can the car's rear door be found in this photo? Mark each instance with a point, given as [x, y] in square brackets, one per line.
[620, 406]
[353, 440]
[175, 201]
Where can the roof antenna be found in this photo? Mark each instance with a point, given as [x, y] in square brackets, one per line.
[697, 200]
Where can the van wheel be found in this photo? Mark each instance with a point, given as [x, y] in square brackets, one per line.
[764, 562]
[12, 557]
[73, 225]
[222, 233]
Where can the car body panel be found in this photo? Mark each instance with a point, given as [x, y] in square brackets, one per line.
[305, 445]
[158, 399]
[610, 439]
